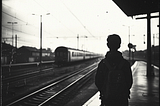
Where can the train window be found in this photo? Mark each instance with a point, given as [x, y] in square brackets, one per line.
[72, 53]
[77, 54]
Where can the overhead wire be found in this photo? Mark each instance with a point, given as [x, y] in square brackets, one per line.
[78, 20]
[73, 15]
[26, 23]
[18, 30]
[54, 17]
[13, 16]
[40, 5]
[63, 24]
[51, 15]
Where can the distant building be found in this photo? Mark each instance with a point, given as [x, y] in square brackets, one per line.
[31, 54]
[8, 53]
[27, 54]
[24, 54]
[47, 55]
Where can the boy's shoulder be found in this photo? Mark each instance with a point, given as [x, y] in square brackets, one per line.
[101, 63]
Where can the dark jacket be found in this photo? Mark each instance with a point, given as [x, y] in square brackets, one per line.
[114, 58]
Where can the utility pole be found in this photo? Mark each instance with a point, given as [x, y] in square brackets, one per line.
[40, 39]
[129, 43]
[12, 54]
[77, 41]
[15, 52]
[12, 23]
[40, 53]
[16, 41]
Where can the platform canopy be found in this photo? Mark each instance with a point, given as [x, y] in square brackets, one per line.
[138, 7]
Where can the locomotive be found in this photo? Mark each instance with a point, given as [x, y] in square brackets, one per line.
[64, 55]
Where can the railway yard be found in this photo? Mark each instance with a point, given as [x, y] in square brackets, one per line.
[35, 86]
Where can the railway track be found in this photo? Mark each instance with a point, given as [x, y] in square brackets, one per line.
[22, 76]
[27, 73]
[55, 92]
[22, 71]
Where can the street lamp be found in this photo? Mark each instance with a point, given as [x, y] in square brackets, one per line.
[40, 53]
[12, 29]
[13, 51]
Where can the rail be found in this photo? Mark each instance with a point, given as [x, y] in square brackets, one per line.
[70, 79]
[24, 64]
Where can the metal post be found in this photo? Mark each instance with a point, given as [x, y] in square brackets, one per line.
[40, 40]
[144, 39]
[153, 46]
[153, 39]
[40, 52]
[148, 45]
[12, 35]
[77, 41]
[129, 43]
[15, 55]
[16, 41]
[12, 31]
[129, 34]
[11, 60]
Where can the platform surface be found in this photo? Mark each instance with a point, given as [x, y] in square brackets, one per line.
[144, 91]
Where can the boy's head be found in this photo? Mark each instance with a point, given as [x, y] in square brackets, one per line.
[113, 42]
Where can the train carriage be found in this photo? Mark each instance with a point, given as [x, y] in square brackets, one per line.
[76, 55]
[65, 55]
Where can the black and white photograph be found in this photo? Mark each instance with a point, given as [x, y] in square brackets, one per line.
[80, 53]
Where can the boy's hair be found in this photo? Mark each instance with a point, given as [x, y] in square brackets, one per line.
[113, 42]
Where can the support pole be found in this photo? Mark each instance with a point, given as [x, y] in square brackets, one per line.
[15, 52]
[148, 45]
[12, 36]
[77, 41]
[40, 40]
[16, 41]
[149, 55]
[129, 54]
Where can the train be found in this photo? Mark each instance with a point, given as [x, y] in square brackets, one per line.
[64, 55]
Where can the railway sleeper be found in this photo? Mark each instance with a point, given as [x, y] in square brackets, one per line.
[66, 96]
[29, 104]
[34, 101]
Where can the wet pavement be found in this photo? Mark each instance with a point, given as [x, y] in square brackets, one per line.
[144, 91]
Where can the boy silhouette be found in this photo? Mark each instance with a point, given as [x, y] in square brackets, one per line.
[113, 58]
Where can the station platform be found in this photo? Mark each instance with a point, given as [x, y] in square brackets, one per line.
[144, 91]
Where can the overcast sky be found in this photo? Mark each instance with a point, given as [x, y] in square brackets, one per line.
[91, 20]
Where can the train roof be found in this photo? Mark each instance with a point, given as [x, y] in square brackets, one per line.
[71, 49]
[68, 48]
